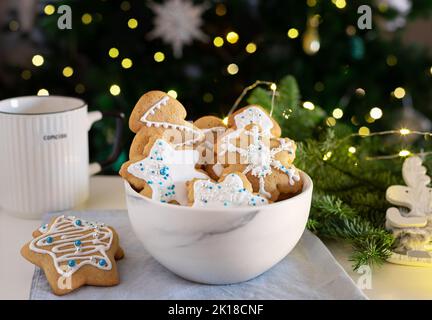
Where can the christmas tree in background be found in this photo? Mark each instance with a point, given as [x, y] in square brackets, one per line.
[207, 52]
[352, 82]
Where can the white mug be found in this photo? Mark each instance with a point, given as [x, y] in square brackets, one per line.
[44, 156]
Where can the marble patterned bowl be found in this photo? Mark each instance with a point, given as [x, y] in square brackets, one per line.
[219, 246]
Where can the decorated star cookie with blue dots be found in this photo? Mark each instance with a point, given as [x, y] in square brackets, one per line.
[233, 190]
[74, 252]
[161, 174]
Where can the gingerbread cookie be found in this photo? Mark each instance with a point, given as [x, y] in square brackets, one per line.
[73, 252]
[266, 161]
[232, 190]
[254, 114]
[161, 173]
[158, 114]
[212, 127]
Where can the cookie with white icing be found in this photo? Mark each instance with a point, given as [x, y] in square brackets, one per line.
[233, 190]
[73, 252]
[213, 127]
[162, 171]
[254, 114]
[158, 114]
[266, 161]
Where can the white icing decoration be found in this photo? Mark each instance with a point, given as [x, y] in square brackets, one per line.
[166, 171]
[260, 158]
[228, 193]
[60, 237]
[158, 105]
[254, 115]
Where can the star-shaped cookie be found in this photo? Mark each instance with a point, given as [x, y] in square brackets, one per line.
[73, 252]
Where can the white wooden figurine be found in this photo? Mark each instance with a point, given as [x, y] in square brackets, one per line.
[411, 228]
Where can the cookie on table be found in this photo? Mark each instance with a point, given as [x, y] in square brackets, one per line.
[73, 252]
[158, 114]
[212, 127]
[162, 171]
[232, 190]
[266, 161]
[254, 114]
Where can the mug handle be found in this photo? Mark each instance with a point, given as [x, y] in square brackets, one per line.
[93, 116]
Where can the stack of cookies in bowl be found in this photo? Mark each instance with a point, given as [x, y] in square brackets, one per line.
[214, 201]
[210, 162]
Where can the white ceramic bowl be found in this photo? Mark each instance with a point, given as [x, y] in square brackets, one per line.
[219, 246]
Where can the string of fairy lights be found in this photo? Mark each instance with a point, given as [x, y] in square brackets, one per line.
[232, 38]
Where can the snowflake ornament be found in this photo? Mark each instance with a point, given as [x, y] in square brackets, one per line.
[178, 22]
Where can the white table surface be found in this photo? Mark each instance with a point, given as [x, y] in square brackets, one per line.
[106, 192]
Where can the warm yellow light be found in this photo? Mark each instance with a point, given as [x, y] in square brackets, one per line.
[364, 131]
[360, 92]
[376, 113]
[232, 69]
[232, 37]
[208, 97]
[337, 113]
[404, 153]
[350, 30]
[308, 105]
[49, 9]
[391, 60]
[86, 18]
[340, 4]
[354, 120]
[311, 3]
[68, 72]
[79, 88]
[220, 9]
[26, 74]
[399, 92]
[125, 6]
[172, 94]
[352, 150]
[404, 131]
[327, 156]
[43, 92]
[430, 70]
[159, 56]
[113, 53]
[331, 122]
[273, 86]
[38, 60]
[293, 33]
[319, 86]
[225, 121]
[115, 90]
[218, 42]
[132, 23]
[251, 47]
[126, 63]
[14, 25]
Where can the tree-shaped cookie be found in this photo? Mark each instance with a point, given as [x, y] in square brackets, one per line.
[254, 114]
[162, 171]
[158, 114]
[73, 252]
[212, 127]
[266, 161]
